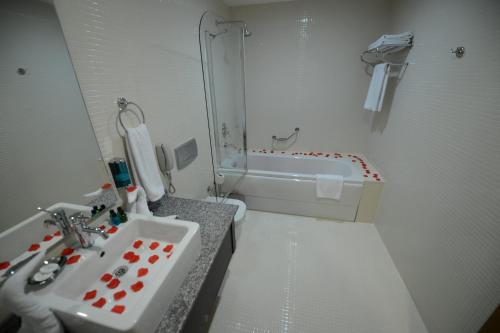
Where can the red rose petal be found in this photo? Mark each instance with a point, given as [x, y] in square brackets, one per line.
[128, 255]
[99, 303]
[73, 259]
[137, 286]
[106, 277]
[118, 309]
[168, 248]
[102, 227]
[153, 259]
[112, 230]
[47, 238]
[135, 259]
[106, 186]
[142, 271]
[131, 188]
[113, 284]
[57, 233]
[34, 247]
[169, 255]
[4, 265]
[137, 244]
[90, 295]
[67, 251]
[119, 295]
[154, 245]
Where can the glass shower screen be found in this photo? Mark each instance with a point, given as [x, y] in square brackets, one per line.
[223, 60]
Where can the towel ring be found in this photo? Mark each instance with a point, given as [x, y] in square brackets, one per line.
[123, 107]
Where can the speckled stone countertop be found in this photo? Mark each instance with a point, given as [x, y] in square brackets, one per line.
[214, 220]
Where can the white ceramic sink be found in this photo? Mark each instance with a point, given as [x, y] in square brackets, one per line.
[91, 296]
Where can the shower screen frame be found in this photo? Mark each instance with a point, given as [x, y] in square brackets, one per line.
[209, 31]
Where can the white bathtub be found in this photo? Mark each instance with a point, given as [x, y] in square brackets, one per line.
[284, 183]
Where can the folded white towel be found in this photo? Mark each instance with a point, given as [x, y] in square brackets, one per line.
[376, 92]
[137, 202]
[403, 39]
[36, 317]
[329, 186]
[143, 160]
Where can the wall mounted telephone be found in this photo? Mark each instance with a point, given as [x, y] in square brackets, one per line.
[166, 163]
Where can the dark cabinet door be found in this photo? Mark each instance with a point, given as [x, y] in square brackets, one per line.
[201, 314]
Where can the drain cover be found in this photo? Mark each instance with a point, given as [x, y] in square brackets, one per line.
[120, 271]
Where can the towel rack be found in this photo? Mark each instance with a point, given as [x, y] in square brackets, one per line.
[380, 53]
[123, 107]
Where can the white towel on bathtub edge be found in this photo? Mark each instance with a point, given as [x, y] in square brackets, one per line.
[329, 186]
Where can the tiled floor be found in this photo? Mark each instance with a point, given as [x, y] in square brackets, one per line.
[299, 274]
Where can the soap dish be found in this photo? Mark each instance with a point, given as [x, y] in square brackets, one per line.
[47, 272]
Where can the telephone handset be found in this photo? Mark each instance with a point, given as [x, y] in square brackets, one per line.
[166, 163]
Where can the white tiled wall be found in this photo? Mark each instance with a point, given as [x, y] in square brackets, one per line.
[438, 146]
[148, 52]
[303, 70]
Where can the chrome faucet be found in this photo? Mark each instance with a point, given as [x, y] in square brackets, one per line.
[74, 230]
[83, 233]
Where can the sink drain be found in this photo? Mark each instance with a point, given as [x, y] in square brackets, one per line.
[120, 271]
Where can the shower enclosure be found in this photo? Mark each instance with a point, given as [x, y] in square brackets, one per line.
[222, 49]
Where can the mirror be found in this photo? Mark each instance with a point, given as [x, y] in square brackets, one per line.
[48, 149]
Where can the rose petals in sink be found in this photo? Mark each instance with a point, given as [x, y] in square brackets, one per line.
[154, 245]
[119, 295]
[128, 255]
[118, 309]
[47, 238]
[135, 259]
[73, 259]
[106, 277]
[34, 247]
[137, 286]
[137, 244]
[112, 230]
[142, 271]
[99, 303]
[90, 295]
[153, 259]
[67, 251]
[6, 264]
[168, 248]
[113, 284]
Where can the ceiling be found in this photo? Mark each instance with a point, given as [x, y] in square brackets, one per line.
[234, 3]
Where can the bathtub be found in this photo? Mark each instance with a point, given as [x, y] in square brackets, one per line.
[286, 183]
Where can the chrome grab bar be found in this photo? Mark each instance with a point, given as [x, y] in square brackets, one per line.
[296, 131]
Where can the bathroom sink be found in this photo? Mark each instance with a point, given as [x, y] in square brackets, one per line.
[124, 283]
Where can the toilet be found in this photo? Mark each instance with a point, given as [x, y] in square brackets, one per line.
[240, 213]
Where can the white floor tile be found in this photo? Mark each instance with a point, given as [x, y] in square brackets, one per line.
[299, 274]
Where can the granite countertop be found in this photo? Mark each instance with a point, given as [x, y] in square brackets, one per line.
[214, 220]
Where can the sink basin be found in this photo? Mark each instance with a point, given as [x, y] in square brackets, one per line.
[126, 282]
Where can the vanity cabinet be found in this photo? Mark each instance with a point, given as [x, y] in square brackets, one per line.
[201, 313]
